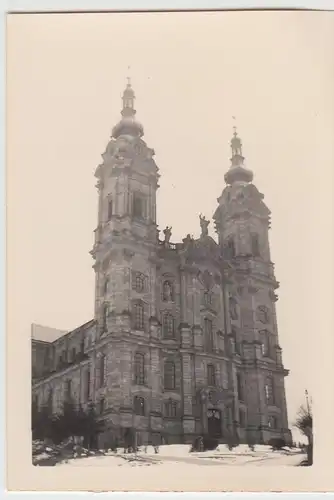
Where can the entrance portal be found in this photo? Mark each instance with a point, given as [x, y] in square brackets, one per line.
[214, 423]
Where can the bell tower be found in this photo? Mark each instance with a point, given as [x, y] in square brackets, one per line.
[242, 222]
[126, 234]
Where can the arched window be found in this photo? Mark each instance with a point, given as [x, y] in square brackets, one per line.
[138, 316]
[171, 409]
[139, 405]
[167, 291]
[139, 368]
[168, 326]
[233, 307]
[169, 375]
[262, 314]
[211, 375]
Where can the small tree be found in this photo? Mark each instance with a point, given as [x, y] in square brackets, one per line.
[304, 423]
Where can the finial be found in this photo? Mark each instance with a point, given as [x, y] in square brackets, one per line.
[128, 78]
[234, 127]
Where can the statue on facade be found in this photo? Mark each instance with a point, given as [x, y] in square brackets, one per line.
[204, 225]
[168, 233]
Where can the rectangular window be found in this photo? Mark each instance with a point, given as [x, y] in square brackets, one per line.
[110, 209]
[139, 368]
[68, 390]
[102, 405]
[269, 391]
[240, 387]
[211, 375]
[208, 332]
[138, 206]
[255, 245]
[87, 385]
[102, 369]
[139, 316]
[169, 375]
[171, 409]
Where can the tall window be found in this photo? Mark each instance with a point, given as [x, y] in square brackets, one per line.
[138, 316]
[235, 341]
[208, 332]
[169, 375]
[87, 384]
[171, 409]
[105, 317]
[106, 286]
[139, 368]
[255, 245]
[139, 405]
[230, 248]
[73, 353]
[138, 206]
[240, 388]
[168, 326]
[269, 391]
[233, 307]
[242, 418]
[265, 343]
[167, 291]
[68, 390]
[110, 209]
[211, 374]
[103, 362]
[102, 405]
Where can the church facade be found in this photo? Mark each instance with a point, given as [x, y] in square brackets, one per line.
[184, 340]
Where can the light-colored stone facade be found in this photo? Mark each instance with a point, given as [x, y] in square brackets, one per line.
[184, 340]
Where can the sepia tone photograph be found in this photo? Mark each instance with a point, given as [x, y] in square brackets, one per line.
[167, 306]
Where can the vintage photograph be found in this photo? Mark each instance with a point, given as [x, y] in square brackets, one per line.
[166, 295]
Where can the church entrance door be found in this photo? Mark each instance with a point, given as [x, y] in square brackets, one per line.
[214, 423]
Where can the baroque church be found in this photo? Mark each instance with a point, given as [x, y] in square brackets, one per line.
[184, 340]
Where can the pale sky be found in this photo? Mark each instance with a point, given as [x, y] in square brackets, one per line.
[191, 73]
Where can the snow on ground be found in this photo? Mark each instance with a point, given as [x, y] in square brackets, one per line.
[171, 456]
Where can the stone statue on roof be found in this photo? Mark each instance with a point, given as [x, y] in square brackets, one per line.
[204, 225]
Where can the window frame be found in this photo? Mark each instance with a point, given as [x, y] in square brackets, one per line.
[139, 368]
[211, 375]
[169, 375]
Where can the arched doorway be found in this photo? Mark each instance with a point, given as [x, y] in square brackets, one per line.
[214, 417]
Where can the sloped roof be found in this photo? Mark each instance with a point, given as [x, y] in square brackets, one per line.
[46, 333]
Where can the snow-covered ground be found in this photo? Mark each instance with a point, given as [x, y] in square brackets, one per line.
[172, 456]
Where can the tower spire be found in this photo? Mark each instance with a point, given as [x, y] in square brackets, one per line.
[128, 125]
[128, 99]
[237, 171]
